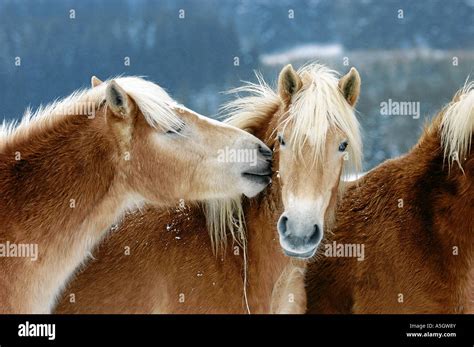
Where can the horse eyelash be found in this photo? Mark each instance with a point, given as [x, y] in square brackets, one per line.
[176, 130]
[281, 140]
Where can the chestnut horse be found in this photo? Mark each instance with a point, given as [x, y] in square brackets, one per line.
[311, 126]
[414, 216]
[70, 170]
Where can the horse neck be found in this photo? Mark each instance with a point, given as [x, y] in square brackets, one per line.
[61, 195]
[266, 260]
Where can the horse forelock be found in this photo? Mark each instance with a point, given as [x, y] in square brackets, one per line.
[317, 108]
[154, 102]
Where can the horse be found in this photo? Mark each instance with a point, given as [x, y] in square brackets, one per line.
[71, 169]
[414, 216]
[310, 124]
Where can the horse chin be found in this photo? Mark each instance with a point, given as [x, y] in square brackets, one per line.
[254, 184]
[301, 255]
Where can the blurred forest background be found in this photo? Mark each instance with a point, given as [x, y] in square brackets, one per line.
[50, 48]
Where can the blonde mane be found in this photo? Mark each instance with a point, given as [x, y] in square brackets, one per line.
[248, 113]
[457, 125]
[225, 217]
[154, 103]
[315, 108]
[253, 110]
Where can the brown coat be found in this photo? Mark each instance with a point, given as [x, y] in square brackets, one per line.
[418, 255]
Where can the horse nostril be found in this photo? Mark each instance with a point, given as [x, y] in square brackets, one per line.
[282, 225]
[265, 151]
[314, 238]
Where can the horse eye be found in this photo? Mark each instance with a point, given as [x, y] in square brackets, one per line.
[281, 140]
[343, 146]
[176, 130]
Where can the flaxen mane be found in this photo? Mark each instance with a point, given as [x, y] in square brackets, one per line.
[154, 103]
[457, 126]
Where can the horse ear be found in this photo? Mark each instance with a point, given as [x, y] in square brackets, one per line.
[117, 100]
[288, 83]
[349, 85]
[95, 81]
